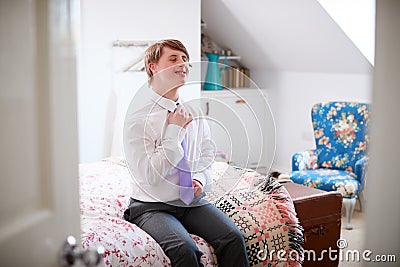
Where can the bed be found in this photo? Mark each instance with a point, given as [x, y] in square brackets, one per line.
[259, 205]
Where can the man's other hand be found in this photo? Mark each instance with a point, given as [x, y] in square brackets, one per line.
[198, 187]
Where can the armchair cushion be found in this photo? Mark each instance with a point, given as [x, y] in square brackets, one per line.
[340, 130]
[329, 180]
[306, 160]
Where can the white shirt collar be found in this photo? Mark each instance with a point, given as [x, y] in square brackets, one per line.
[165, 103]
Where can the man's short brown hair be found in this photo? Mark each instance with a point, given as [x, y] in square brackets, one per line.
[153, 53]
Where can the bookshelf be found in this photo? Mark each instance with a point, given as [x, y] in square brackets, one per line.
[233, 73]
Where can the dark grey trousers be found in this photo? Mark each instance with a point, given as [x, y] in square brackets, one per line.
[170, 226]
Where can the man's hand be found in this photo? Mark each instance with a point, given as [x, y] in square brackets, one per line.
[198, 187]
[180, 117]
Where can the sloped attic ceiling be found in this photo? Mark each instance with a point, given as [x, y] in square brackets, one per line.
[282, 35]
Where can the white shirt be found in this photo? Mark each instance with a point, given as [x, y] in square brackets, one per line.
[152, 148]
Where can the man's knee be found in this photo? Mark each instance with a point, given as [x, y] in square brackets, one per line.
[184, 254]
[234, 243]
[232, 252]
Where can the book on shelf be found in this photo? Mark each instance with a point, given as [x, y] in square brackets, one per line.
[235, 77]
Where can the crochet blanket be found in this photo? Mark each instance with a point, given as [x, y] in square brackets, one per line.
[259, 205]
[263, 210]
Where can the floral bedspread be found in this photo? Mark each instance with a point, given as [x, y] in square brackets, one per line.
[261, 208]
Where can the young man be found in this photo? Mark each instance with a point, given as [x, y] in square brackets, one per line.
[161, 141]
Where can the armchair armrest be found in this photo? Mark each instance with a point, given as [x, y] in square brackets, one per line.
[306, 160]
[361, 169]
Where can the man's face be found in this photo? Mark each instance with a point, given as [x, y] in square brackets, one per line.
[171, 69]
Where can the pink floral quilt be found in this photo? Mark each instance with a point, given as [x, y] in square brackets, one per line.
[263, 211]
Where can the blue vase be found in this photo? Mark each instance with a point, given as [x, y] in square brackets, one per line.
[213, 76]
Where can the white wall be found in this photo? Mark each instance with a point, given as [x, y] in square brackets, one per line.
[291, 96]
[283, 35]
[104, 21]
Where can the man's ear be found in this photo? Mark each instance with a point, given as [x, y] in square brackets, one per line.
[152, 67]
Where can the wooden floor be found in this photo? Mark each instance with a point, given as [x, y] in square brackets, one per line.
[355, 238]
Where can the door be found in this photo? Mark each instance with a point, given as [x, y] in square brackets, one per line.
[39, 202]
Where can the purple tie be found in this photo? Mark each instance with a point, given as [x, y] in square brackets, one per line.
[186, 192]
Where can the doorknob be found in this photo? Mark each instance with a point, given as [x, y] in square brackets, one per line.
[71, 254]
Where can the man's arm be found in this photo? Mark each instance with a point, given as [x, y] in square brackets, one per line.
[149, 161]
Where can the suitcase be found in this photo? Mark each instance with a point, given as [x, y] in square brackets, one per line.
[319, 213]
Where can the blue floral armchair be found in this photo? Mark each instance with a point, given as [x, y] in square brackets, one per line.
[339, 162]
